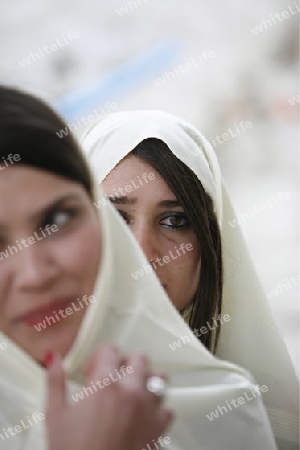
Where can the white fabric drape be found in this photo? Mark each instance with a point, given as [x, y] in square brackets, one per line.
[251, 339]
[136, 315]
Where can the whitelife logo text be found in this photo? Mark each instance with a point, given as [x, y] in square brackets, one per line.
[100, 384]
[48, 49]
[24, 243]
[247, 397]
[147, 268]
[63, 313]
[122, 191]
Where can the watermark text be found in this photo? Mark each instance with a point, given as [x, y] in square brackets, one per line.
[9, 160]
[83, 121]
[196, 333]
[231, 133]
[24, 243]
[176, 253]
[130, 5]
[120, 192]
[256, 210]
[24, 425]
[276, 18]
[257, 391]
[100, 384]
[181, 69]
[48, 49]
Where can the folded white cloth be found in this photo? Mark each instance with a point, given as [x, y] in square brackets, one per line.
[252, 338]
[136, 315]
[215, 402]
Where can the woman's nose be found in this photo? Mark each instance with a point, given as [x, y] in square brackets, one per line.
[35, 268]
[147, 240]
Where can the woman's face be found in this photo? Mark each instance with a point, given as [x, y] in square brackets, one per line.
[159, 224]
[50, 247]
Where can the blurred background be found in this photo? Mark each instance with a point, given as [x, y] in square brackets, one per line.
[217, 64]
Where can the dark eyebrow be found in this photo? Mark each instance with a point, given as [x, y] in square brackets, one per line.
[131, 201]
[47, 210]
[169, 204]
[121, 200]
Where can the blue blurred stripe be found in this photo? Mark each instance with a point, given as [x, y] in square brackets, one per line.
[120, 81]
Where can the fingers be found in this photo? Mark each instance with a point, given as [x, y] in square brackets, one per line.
[56, 393]
[103, 363]
[165, 418]
[136, 380]
[130, 414]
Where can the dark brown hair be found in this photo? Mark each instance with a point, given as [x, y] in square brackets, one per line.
[198, 206]
[29, 127]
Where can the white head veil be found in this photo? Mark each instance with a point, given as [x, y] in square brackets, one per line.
[251, 339]
[137, 315]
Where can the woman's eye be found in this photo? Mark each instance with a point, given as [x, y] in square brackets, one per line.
[61, 218]
[175, 221]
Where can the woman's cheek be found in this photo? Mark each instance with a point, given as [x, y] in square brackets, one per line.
[183, 278]
[80, 252]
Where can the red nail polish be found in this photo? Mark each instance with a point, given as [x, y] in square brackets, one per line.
[48, 360]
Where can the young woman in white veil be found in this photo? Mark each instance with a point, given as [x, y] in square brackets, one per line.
[164, 178]
[66, 288]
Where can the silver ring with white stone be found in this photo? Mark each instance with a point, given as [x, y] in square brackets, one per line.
[157, 386]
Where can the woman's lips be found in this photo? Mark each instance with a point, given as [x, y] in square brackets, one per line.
[38, 315]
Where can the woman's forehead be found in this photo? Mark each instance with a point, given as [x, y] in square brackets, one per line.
[143, 179]
[25, 190]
